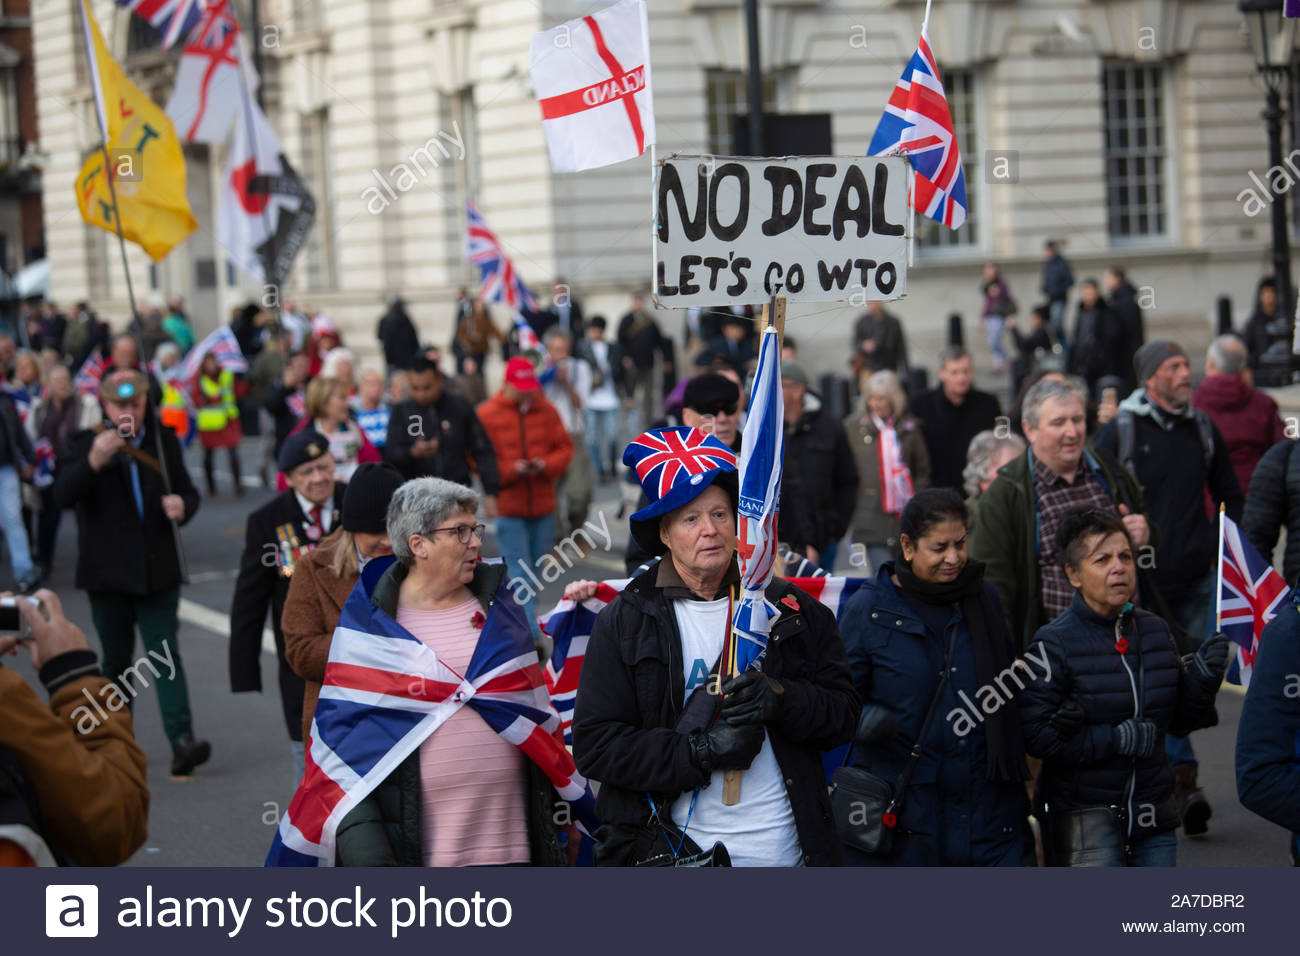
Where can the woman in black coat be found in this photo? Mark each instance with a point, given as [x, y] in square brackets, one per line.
[1114, 687]
[965, 804]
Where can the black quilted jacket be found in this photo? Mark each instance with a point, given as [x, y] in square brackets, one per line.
[1084, 770]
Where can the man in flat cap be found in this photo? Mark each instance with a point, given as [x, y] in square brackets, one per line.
[277, 535]
[1177, 455]
[127, 560]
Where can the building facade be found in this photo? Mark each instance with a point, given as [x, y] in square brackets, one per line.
[21, 220]
[1126, 129]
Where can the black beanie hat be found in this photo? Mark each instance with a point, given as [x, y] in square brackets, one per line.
[365, 503]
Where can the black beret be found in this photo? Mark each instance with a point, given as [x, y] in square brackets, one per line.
[300, 448]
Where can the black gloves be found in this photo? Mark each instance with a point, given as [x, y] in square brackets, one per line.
[1210, 659]
[1068, 719]
[725, 747]
[876, 725]
[751, 698]
[1135, 738]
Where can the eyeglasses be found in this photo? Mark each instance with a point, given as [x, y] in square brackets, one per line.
[463, 531]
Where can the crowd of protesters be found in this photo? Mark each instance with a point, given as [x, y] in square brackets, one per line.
[1070, 544]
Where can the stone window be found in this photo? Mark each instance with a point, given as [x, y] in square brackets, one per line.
[1136, 149]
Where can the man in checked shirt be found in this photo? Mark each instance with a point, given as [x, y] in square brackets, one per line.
[1015, 527]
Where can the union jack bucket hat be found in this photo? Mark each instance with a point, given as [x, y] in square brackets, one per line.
[674, 466]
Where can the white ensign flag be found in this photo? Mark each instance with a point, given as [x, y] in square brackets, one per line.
[592, 80]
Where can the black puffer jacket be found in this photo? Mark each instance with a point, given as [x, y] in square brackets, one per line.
[1273, 502]
[1084, 770]
[820, 482]
[632, 689]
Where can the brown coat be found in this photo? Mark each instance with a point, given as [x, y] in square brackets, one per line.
[90, 780]
[311, 612]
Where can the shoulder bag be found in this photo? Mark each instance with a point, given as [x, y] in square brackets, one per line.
[867, 807]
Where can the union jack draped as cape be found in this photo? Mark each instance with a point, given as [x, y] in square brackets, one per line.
[917, 122]
[1251, 593]
[385, 692]
[569, 624]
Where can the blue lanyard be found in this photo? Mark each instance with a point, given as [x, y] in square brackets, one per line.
[654, 811]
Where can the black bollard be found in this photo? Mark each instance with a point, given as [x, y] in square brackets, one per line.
[1223, 309]
[955, 334]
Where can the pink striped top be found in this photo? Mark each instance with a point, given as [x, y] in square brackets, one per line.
[473, 781]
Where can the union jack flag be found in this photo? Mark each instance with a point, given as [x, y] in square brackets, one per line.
[1251, 593]
[499, 280]
[917, 122]
[44, 451]
[221, 343]
[762, 454]
[528, 339]
[173, 19]
[674, 452]
[569, 625]
[92, 371]
[22, 396]
[385, 693]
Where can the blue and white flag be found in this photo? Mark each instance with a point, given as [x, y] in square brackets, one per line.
[762, 452]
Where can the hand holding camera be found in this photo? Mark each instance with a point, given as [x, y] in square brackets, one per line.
[38, 621]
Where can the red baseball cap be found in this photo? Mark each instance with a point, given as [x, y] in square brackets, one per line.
[520, 374]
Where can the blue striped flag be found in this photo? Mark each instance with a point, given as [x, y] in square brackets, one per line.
[762, 453]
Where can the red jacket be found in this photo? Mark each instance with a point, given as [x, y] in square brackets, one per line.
[537, 433]
[1248, 420]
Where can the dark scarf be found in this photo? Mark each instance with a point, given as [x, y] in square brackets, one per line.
[1002, 739]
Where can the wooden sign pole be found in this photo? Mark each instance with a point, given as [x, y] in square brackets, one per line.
[773, 317]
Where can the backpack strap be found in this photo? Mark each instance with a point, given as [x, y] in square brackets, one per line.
[1124, 447]
[1205, 427]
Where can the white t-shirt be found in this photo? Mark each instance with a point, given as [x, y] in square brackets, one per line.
[604, 398]
[579, 373]
[760, 829]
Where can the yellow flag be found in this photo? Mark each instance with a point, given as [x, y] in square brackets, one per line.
[144, 159]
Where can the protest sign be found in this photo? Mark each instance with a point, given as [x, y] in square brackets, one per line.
[813, 229]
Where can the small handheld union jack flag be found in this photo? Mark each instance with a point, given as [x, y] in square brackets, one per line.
[917, 123]
[499, 280]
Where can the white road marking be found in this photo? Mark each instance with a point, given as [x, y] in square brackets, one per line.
[218, 622]
[198, 577]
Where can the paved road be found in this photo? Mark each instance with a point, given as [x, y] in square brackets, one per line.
[226, 814]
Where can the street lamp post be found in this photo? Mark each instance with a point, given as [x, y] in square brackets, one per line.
[1272, 40]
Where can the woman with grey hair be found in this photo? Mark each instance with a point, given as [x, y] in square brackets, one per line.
[466, 796]
[167, 354]
[988, 452]
[893, 463]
